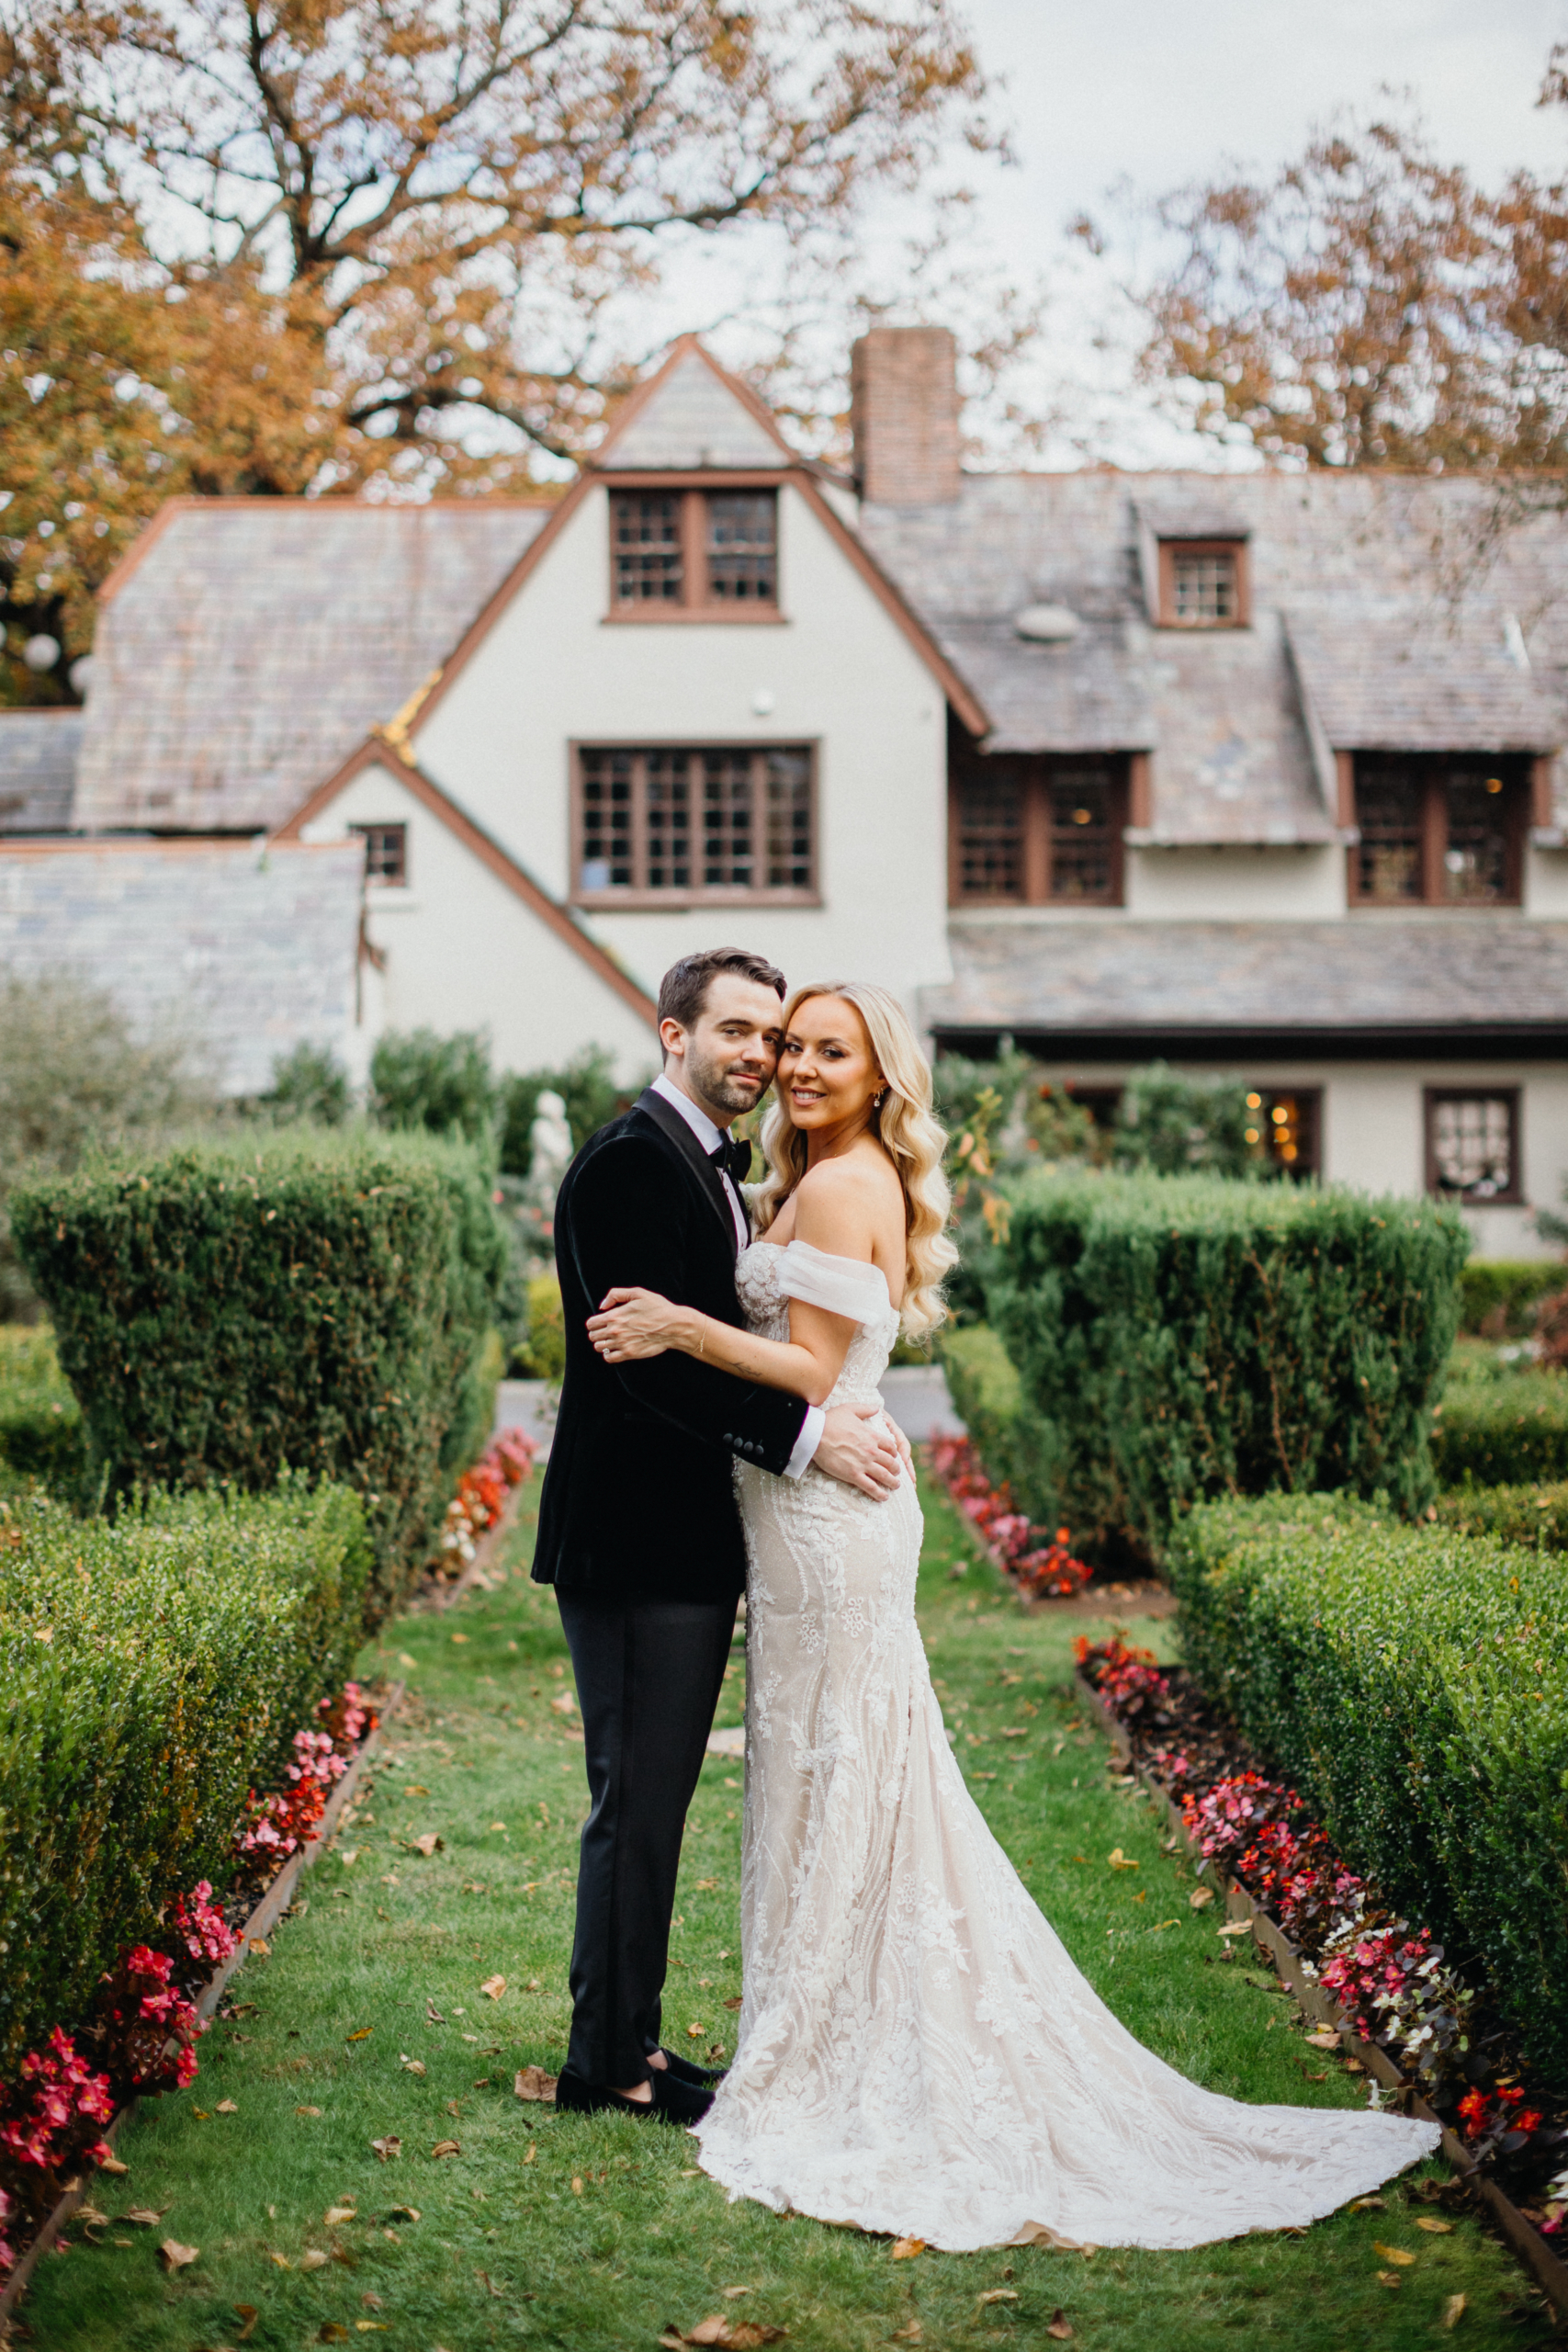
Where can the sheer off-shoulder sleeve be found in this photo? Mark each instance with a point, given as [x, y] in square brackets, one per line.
[846, 1286]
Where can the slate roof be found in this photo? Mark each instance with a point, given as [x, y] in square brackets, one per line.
[248, 646]
[39, 751]
[688, 416]
[1407, 602]
[1383, 971]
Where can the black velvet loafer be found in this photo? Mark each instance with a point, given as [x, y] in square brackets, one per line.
[673, 2101]
[686, 2070]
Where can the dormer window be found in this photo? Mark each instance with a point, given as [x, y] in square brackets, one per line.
[685, 554]
[1202, 584]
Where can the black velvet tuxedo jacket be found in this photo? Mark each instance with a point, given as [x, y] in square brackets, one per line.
[638, 1501]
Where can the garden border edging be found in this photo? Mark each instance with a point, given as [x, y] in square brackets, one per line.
[1551, 2274]
[269, 1909]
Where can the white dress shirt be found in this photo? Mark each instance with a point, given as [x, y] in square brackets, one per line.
[710, 1137]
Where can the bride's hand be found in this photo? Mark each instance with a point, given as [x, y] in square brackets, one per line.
[633, 1323]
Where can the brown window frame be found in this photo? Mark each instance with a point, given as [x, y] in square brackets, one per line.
[1520, 786]
[1035, 857]
[1510, 1096]
[1237, 549]
[381, 881]
[693, 491]
[636, 897]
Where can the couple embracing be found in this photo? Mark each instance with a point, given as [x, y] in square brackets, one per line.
[917, 2053]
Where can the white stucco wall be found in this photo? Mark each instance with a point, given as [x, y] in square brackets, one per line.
[842, 675]
[1546, 881]
[1235, 885]
[463, 952]
[1372, 1135]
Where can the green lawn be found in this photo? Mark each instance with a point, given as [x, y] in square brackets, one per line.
[369, 2022]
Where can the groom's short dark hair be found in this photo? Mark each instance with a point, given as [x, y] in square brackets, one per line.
[684, 990]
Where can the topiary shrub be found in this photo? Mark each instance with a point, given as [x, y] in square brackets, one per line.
[1503, 1433]
[1182, 1337]
[312, 1302]
[1412, 1683]
[153, 1668]
[1531, 1515]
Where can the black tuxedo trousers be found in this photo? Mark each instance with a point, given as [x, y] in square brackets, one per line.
[639, 1534]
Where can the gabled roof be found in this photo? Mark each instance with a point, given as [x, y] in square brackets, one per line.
[39, 751]
[246, 645]
[1399, 674]
[379, 751]
[692, 415]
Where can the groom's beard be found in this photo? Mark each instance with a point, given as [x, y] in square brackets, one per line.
[714, 1079]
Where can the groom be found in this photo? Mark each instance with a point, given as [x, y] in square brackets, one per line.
[638, 1529]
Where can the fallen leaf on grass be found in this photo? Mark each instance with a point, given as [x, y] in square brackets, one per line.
[1234, 1927]
[695, 2032]
[176, 2256]
[998, 2295]
[1309, 2077]
[1389, 2278]
[459, 1637]
[577, 2184]
[226, 2107]
[313, 2258]
[1370, 2205]
[371, 2326]
[731, 2336]
[532, 2154]
[1326, 2037]
[731, 2292]
[413, 2066]
[1059, 2329]
[1160, 1925]
[1119, 1861]
[259, 1947]
[706, 1886]
[248, 2312]
[910, 2335]
[148, 2215]
[347, 1856]
[1199, 1898]
[427, 1845]
[307, 2110]
[448, 2148]
[333, 2331]
[733, 2002]
[534, 2083]
[1393, 2254]
[282, 2261]
[563, 1704]
[363, 2034]
[1453, 2312]
[906, 2249]
[1429, 2222]
[113, 2165]
[336, 2214]
[493, 1987]
[404, 2213]
[390, 2147]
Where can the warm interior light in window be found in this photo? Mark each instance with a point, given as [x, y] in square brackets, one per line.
[1280, 1117]
[1494, 784]
[1255, 1101]
[1287, 1151]
[1083, 817]
[1252, 1136]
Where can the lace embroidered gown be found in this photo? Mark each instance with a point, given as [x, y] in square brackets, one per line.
[917, 2052]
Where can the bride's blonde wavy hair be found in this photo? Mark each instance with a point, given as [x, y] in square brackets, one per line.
[907, 1133]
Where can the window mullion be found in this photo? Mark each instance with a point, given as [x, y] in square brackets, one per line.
[639, 820]
[1434, 839]
[1036, 838]
[693, 551]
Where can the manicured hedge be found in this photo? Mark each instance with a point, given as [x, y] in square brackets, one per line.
[1503, 1433]
[317, 1301]
[1414, 1685]
[1532, 1515]
[153, 1668]
[1183, 1336]
[1499, 1294]
[41, 1434]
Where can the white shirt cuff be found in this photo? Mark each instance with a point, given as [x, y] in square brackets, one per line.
[806, 1443]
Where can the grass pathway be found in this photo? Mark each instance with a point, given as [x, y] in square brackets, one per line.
[368, 2021]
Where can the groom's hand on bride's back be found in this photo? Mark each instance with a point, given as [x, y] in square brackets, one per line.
[858, 1449]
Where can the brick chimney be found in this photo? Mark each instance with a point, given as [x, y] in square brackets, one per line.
[903, 412]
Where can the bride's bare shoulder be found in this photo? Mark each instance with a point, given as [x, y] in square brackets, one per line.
[839, 1203]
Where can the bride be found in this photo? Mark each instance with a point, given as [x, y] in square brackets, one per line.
[918, 2053]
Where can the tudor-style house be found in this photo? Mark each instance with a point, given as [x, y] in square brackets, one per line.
[1259, 773]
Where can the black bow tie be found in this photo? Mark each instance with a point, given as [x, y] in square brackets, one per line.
[732, 1157]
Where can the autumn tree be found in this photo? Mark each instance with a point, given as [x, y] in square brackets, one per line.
[288, 244]
[1368, 306]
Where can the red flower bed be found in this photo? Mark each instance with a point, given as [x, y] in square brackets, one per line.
[1390, 1982]
[141, 2037]
[1039, 1566]
[481, 1497]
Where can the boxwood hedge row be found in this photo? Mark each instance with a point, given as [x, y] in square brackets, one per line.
[1183, 1336]
[1413, 1682]
[315, 1301]
[153, 1668]
[1532, 1515]
[1503, 1433]
[41, 1436]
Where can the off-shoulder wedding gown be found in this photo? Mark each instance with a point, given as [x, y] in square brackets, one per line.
[918, 2053]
